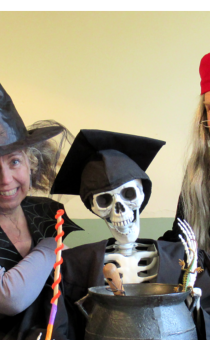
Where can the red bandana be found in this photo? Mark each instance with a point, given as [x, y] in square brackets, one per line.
[204, 70]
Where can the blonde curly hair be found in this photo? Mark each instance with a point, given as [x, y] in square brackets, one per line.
[46, 157]
[43, 159]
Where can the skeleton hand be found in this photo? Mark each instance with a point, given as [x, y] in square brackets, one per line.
[190, 246]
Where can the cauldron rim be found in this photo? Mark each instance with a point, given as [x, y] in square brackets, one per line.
[104, 292]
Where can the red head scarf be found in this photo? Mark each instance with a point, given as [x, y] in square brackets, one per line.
[204, 70]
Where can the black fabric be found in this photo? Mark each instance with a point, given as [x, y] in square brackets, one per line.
[102, 160]
[111, 169]
[40, 215]
[87, 143]
[82, 268]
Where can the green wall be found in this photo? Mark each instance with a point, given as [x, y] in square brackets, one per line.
[96, 230]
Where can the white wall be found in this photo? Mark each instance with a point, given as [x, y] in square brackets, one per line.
[131, 72]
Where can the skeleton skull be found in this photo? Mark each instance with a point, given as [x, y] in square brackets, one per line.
[120, 210]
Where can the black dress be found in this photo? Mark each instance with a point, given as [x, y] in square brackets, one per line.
[40, 214]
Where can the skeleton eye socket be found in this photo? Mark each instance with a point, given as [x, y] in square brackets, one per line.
[104, 200]
[128, 193]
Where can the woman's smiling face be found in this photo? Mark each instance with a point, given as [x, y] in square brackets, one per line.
[14, 180]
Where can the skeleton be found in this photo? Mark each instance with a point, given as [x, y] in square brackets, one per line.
[109, 175]
[120, 210]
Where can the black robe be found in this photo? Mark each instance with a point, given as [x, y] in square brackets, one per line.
[172, 236]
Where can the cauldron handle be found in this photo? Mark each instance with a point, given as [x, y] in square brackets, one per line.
[80, 302]
[193, 304]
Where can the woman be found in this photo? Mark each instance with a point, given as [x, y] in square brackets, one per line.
[28, 161]
[194, 201]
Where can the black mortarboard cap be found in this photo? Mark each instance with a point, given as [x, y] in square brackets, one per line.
[102, 160]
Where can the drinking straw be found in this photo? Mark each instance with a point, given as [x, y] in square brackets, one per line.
[57, 275]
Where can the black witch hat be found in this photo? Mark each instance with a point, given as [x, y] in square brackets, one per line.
[13, 133]
[101, 161]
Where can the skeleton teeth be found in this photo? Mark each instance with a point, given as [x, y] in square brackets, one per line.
[126, 232]
[122, 223]
[118, 224]
[8, 193]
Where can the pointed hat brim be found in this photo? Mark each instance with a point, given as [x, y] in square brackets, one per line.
[31, 138]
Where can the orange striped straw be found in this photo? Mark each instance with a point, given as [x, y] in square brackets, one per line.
[57, 275]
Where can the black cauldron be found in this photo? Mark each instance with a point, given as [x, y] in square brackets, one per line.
[148, 311]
